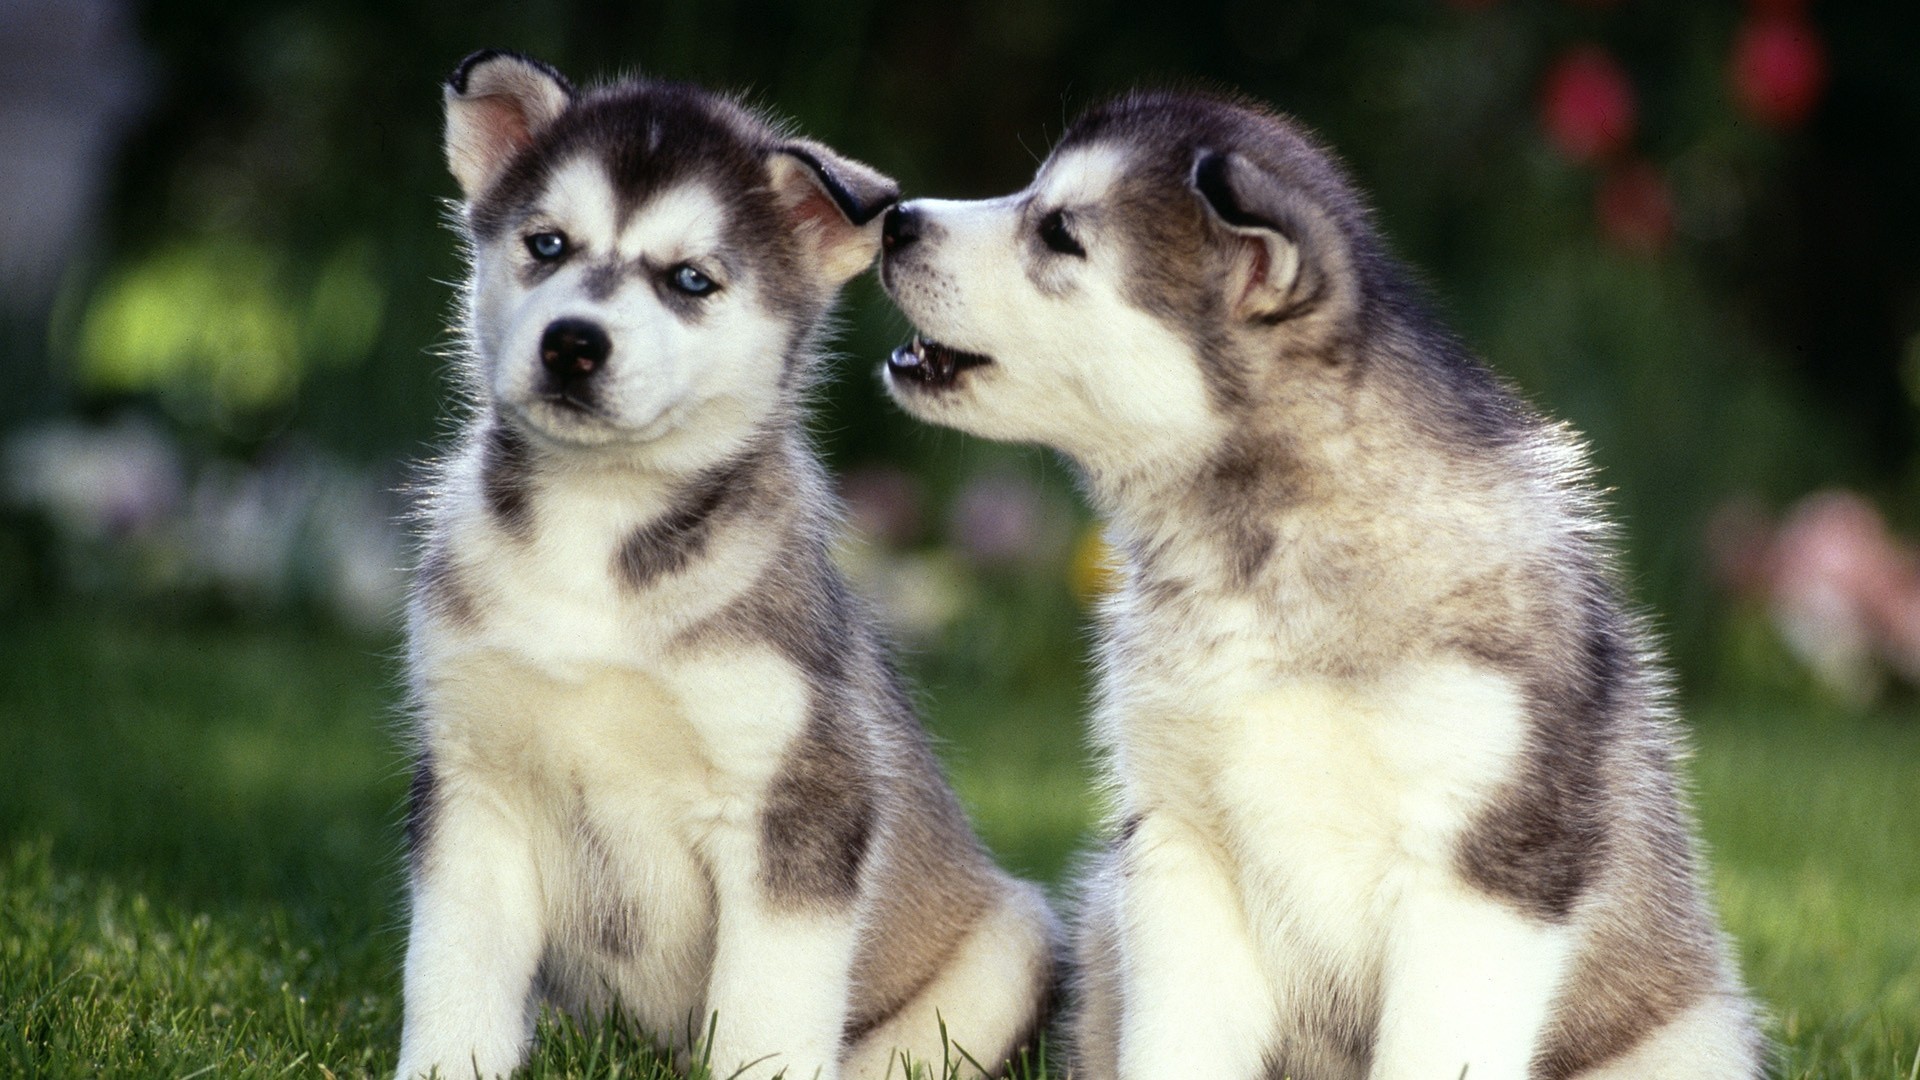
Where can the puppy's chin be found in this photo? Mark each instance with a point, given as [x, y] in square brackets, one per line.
[981, 403]
[928, 378]
[944, 406]
[570, 424]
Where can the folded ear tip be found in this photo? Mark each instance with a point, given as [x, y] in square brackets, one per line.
[860, 192]
[463, 73]
[876, 203]
[459, 82]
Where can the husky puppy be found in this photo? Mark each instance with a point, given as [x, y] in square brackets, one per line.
[1395, 774]
[664, 763]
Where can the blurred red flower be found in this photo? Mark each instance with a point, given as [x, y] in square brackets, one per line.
[1586, 104]
[1779, 66]
[1634, 207]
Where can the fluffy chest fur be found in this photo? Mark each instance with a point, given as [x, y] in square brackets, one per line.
[1327, 793]
[591, 708]
[1327, 799]
[557, 657]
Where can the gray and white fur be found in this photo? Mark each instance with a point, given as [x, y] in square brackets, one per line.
[1395, 779]
[665, 765]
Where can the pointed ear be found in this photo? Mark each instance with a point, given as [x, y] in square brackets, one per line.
[497, 101]
[1286, 251]
[834, 203]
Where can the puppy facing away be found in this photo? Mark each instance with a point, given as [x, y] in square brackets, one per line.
[665, 766]
[1395, 775]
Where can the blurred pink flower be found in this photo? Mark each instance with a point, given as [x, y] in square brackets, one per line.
[884, 504]
[999, 518]
[1842, 589]
[1587, 104]
[1779, 67]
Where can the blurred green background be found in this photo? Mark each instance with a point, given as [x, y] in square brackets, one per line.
[1686, 228]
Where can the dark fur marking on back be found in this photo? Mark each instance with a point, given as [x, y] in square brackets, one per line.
[1538, 843]
[1460, 399]
[818, 822]
[1629, 983]
[506, 479]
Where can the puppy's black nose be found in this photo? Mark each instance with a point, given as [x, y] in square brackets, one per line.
[574, 348]
[900, 230]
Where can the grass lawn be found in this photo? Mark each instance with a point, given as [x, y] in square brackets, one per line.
[199, 856]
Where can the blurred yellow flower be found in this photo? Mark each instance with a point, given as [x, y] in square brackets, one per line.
[1094, 570]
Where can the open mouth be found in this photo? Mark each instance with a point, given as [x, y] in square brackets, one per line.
[931, 364]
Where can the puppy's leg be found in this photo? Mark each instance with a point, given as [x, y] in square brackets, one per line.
[1093, 1030]
[992, 995]
[1196, 1002]
[782, 970]
[787, 855]
[474, 943]
[1469, 982]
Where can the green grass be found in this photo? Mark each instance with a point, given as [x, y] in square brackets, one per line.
[199, 869]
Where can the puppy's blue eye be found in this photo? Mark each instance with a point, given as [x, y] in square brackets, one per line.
[691, 281]
[547, 246]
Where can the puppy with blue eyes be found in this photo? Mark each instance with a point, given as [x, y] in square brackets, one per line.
[1396, 780]
[664, 764]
